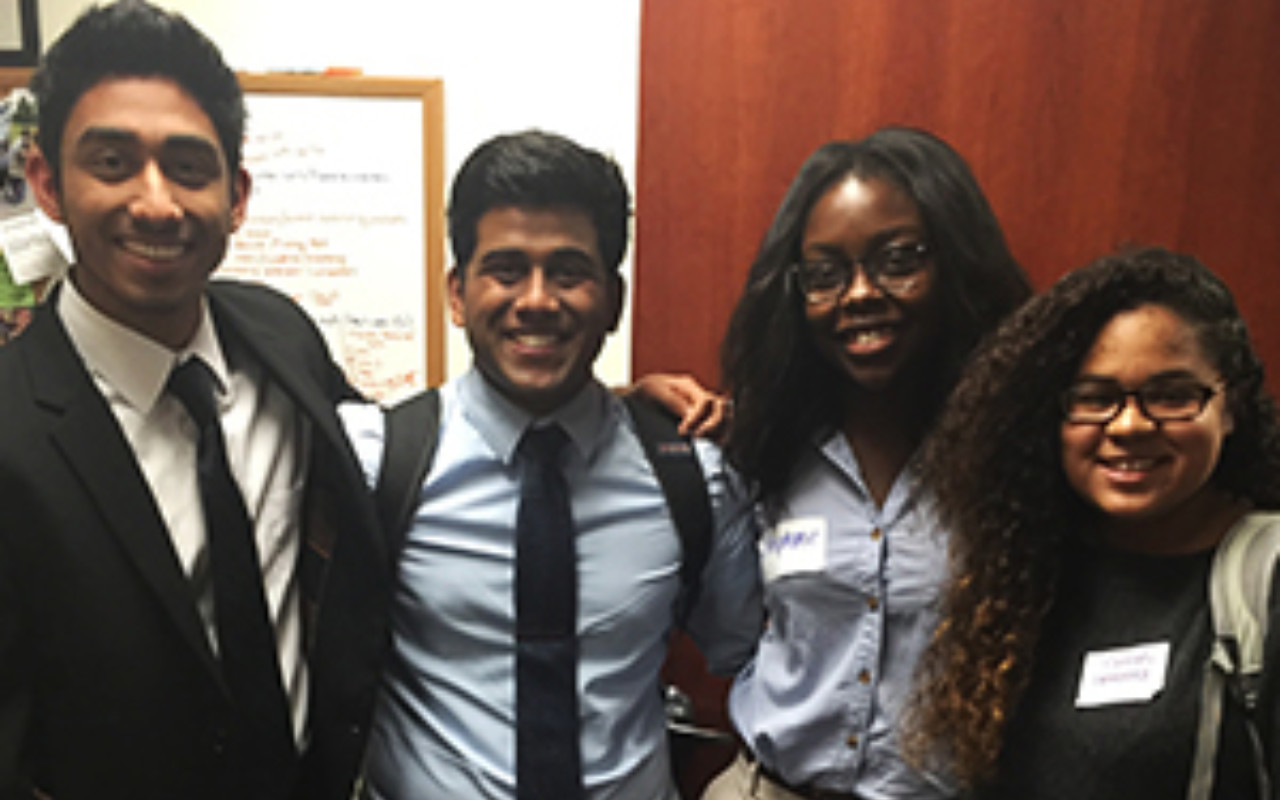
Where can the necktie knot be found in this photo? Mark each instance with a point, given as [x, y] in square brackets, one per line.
[542, 446]
[192, 383]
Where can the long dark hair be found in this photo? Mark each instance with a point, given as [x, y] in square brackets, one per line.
[994, 465]
[784, 392]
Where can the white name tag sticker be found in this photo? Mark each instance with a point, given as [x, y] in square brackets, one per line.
[1123, 675]
[794, 546]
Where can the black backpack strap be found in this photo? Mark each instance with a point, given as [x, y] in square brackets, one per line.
[685, 488]
[412, 429]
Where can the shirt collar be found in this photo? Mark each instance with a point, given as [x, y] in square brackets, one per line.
[835, 448]
[132, 365]
[586, 418]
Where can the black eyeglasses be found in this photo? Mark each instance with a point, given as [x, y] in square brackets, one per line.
[897, 270]
[1097, 402]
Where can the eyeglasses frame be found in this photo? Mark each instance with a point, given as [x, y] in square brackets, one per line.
[921, 250]
[1206, 394]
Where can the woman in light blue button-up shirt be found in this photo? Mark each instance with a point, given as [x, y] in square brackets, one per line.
[883, 268]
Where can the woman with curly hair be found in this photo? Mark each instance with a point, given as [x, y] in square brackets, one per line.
[1095, 454]
[883, 268]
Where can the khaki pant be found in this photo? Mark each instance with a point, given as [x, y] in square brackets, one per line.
[742, 781]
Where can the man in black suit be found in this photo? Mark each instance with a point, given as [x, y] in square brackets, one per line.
[115, 673]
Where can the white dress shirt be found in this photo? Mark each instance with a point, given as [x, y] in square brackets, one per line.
[266, 441]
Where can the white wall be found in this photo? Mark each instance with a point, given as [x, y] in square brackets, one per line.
[569, 66]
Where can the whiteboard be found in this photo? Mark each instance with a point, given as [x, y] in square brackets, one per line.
[344, 216]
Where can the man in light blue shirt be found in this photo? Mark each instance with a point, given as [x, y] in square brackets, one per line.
[538, 226]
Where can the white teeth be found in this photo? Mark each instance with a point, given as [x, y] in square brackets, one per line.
[1132, 464]
[869, 336]
[156, 252]
[535, 339]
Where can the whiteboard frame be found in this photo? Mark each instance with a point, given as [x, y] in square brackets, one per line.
[431, 93]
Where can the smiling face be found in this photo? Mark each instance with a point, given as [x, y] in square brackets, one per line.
[148, 201]
[1150, 479]
[536, 303]
[872, 337]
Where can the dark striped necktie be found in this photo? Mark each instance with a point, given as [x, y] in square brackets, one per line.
[548, 762]
[246, 638]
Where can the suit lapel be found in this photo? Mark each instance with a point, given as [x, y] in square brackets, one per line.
[85, 432]
[290, 357]
[285, 358]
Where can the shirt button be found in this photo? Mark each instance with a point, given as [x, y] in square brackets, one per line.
[876, 534]
[864, 676]
[852, 741]
[873, 603]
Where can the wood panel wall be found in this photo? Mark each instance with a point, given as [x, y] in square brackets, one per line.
[1090, 123]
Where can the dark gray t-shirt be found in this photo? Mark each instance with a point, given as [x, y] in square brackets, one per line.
[1126, 750]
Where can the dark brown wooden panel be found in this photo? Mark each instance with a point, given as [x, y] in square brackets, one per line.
[1089, 122]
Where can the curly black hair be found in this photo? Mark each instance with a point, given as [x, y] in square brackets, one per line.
[993, 462]
[784, 391]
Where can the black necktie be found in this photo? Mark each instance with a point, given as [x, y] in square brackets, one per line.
[548, 763]
[246, 639]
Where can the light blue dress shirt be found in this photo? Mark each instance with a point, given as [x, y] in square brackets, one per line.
[852, 601]
[445, 727]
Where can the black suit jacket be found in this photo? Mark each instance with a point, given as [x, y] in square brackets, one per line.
[108, 686]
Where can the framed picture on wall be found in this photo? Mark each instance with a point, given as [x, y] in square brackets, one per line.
[19, 33]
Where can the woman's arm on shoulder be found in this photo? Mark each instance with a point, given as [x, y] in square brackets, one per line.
[701, 412]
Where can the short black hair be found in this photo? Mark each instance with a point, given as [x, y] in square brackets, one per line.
[127, 39]
[537, 169]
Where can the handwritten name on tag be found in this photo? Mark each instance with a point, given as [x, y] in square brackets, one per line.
[1123, 675]
[794, 546]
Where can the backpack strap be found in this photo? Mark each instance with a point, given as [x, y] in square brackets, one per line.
[685, 488]
[1239, 595]
[412, 430]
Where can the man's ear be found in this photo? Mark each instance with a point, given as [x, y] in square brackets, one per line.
[240, 185]
[44, 184]
[618, 288]
[457, 307]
